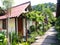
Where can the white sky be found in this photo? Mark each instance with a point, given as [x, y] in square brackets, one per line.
[33, 2]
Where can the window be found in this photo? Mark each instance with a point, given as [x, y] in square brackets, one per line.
[4, 24]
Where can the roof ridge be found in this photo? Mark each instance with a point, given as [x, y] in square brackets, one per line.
[21, 4]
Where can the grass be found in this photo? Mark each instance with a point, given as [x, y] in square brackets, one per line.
[53, 44]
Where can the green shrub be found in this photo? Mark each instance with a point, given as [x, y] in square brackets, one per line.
[57, 27]
[5, 41]
[32, 28]
[1, 43]
[25, 43]
[13, 43]
[40, 26]
[57, 24]
[58, 36]
[40, 32]
[49, 25]
[2, 36]
[34, 34]
[13, 37]
[31, 39]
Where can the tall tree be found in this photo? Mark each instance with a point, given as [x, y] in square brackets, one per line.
[38, 7]
[2, 12]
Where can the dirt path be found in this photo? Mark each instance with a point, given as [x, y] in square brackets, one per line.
[47, 39]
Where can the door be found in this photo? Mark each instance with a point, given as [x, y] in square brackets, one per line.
[20, 26]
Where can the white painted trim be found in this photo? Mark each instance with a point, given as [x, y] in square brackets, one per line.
[1, 24]
[24, 28]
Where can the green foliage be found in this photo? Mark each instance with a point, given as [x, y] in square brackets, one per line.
[13, 37]
[43, 17]
[24, 43]
[2, 36]
[45, 12]
[58, 37]
[40, 26]
[34, 34]
[35, 16]
[32, 28]
[13, 43]
[57, 27]
[38, 7]
[57, 24]
[3, 39]
[2, 12]
[7, 3]
[49, 25]
[31, 40]
[45, 27]
[40, 32]
[1, 43]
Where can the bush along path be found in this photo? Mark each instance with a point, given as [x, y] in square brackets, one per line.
[57, 27]
[49, 38]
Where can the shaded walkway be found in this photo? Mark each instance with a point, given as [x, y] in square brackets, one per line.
[47, 39]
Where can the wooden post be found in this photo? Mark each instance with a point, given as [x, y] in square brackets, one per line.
[16, 25]
[7, 31]
[26, 29]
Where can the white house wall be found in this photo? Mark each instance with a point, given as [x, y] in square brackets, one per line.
[11, 25]
[0, 23]
[29, 23]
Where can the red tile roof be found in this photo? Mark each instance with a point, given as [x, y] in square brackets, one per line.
[3, 17]
[16, 11]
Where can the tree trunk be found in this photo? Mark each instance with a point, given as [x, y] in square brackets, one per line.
[58, 9]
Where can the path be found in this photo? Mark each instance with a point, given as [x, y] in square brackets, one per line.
[47, 39]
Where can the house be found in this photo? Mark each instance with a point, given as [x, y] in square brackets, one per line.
[16, 21]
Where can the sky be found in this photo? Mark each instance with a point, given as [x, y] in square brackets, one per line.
[33, 2]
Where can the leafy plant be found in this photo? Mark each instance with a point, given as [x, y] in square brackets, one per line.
[2, 36]
[34, 34]
[1, 43]
[40, 32]
[5, 41]
[25, 43]
[13, 43]
[13, 37]
[31, 39]
[32, 28]
[57, 27]
[57, 24]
